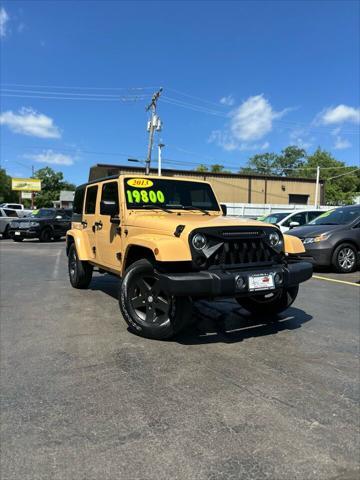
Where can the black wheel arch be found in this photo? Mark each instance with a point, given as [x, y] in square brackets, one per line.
[69, 241]
[137, 252]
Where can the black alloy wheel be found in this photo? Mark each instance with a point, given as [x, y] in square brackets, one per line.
[148, 310]
[45, 235]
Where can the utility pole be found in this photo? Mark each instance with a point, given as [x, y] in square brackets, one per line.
[316, 203]
[160, 146]
[152, 126]
[32, 193]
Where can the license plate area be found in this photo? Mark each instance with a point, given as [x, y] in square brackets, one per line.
[261, 282]
[17, 233]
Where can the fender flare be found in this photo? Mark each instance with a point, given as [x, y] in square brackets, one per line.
[81, 244]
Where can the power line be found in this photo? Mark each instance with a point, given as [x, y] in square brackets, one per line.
[113, 95]
[123, 99]
[75, 88]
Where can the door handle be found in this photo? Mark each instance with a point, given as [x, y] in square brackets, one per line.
[84, 223]
[97, 225]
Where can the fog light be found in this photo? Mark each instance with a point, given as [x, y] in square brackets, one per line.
[239, 283]
[278, 279]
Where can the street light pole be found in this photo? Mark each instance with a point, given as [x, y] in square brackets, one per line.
[316, 203]
[160, 146]
[152, 107]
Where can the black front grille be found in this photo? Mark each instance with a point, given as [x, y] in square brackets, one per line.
[236, 246]
[243, 251]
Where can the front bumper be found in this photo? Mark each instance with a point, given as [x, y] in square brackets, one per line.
[319, 254]
[222, 283]
[24, 233]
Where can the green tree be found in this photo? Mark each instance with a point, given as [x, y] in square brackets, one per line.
[291, 158]
[6, 194]
[340, 189]
[261, 163]
[51, 184]
[201, 168]
[217, 168]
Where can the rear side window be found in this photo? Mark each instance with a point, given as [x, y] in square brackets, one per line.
[90, 203]
[110, 193]
[10, 213]
[79, 200]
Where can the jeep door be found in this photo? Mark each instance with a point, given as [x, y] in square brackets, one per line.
[89, 217]
[108, 237]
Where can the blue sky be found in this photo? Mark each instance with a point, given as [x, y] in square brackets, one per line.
[239, 78]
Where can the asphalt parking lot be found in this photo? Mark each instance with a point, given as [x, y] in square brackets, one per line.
[232, 398]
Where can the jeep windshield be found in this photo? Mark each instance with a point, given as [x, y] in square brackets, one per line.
[147, 193]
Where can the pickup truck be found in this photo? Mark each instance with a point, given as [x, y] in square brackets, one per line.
[22, 211]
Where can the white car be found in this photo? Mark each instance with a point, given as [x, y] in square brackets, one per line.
[6, 217]
[296, 218]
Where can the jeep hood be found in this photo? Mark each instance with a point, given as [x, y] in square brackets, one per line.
[167, 222]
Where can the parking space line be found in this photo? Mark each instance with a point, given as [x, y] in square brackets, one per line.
[336, 281]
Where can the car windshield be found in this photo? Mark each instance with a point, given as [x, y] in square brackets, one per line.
[339, 216]
[147, 193]
[42, 213]
[275, 217]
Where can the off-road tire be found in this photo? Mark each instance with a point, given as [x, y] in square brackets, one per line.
[161, 325]
[344, 258]
[270, 306]
[80, 272]
[45, 235]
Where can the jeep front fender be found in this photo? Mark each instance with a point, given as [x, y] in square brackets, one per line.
[82, 244]
[293, 245]
[164, 248]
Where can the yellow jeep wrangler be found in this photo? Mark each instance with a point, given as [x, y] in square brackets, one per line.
[170, 242]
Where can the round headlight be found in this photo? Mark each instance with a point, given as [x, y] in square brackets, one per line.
[274, 239]
[199, 241]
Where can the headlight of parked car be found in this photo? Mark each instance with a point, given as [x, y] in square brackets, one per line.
[319, 238]
[34, 224]
[199, 241]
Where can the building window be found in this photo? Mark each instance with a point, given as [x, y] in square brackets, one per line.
[298, 199]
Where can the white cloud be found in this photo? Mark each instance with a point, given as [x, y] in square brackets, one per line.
[4, 18]
[229, 144]
[339, 114]
[250, 121]
[51, 158]
[229, 101]
[341, 143]
[29, 122]
[301, 138]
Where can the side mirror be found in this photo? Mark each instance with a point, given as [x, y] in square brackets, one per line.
[294, 224]
[109, 207]
[224, 209]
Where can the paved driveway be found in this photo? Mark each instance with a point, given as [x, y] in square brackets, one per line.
[232, 398]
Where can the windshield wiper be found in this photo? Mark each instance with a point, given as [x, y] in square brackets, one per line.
[191, 207]
[154, 206]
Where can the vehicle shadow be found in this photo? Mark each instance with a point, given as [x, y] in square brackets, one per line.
[225, 321]
[219, 321]
[108, 284]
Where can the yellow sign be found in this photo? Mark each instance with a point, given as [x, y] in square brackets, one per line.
[140, 183]
[26, 184]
